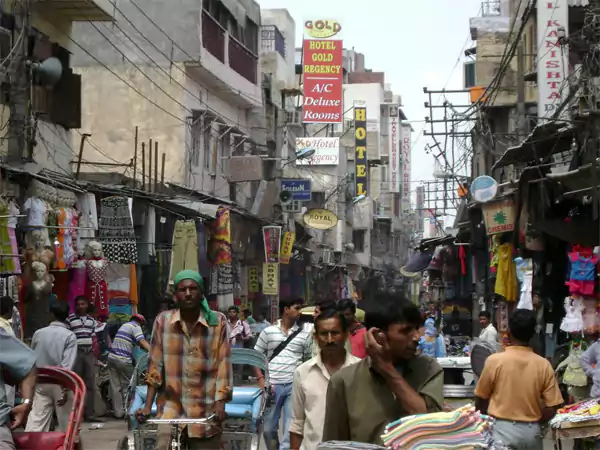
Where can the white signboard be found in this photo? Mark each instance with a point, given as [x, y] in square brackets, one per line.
[327, 151]
[395, 157]
[406, 149]
[553, 67]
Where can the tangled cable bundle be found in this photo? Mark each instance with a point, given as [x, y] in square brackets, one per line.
[459, 429]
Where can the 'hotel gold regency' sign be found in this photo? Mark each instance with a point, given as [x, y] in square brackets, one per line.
[360, 150]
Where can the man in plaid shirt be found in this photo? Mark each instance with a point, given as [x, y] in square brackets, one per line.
[189, 365]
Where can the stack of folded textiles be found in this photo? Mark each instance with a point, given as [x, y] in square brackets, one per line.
[464, 428]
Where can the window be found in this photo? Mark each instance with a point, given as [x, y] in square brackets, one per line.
[358, 239]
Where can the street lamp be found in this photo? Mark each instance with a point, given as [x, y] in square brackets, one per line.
[305, 153]
[359, 198]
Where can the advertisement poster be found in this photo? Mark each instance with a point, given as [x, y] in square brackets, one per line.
[287, 247]
[272, 240]
[552, 80]
[360, 151]
[270, 279]
[322, 51]
[327, 151]
[394, 145]
[253, 284]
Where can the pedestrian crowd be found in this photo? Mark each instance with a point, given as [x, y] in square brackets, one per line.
[337, 378]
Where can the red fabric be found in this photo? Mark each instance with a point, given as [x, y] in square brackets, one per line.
[39, 441]
[357, 342]
[462, 255]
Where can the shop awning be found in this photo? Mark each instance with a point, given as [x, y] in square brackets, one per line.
[205, 210]
[544, 141]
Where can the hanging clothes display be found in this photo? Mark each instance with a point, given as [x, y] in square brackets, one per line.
[185, 248]
[96, 289]
[77, 283]
[88, 220]
[573, 320]
[524, 269]
[116, 231]
[9, 250]
[506, 275]
[582, 279]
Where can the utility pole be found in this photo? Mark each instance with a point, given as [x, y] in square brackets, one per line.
[521, 123]
[19, 125]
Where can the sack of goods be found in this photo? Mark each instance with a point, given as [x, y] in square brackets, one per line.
[463, 428]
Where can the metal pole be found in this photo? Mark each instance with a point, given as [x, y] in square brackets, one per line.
[162, 171]
[521, 131]
[84, 136]
[156, 166]
[143, 166]
[135, 147]
[150, 166]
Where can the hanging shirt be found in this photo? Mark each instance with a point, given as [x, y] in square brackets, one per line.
[506, 274]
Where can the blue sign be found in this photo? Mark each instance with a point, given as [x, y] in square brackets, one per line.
[300, 189]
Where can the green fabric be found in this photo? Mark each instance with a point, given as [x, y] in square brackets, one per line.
[210, 316]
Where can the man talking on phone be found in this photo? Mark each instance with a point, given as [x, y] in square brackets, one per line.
[390, 383]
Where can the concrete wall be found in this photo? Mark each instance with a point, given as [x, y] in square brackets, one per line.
[286, 25]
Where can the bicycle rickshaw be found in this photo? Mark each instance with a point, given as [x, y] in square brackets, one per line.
[242, 430]
[57, 440]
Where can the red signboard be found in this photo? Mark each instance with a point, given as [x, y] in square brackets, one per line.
[323, 80]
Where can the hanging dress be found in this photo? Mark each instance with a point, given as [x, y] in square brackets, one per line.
[573, 320]
[583, 274]
[506, 274]
[96, 289]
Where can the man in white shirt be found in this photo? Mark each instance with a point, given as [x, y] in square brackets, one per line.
[309, 390]
[488, 332]
[55, 346]
[286, 345]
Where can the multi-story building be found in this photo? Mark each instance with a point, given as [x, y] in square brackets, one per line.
[188, 77]
[56, 104]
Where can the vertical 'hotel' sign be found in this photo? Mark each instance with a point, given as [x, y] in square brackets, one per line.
[360, 150]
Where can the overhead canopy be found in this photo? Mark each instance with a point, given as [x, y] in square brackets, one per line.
[203, 209]
[544, 141]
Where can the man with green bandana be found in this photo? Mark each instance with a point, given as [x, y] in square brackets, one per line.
[189, 365]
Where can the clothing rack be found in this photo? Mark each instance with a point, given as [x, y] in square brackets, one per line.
[13, 216]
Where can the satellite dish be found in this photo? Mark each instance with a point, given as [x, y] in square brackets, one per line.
[285, 197]
[48, 71]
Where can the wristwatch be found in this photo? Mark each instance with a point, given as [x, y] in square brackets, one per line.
[27, 401]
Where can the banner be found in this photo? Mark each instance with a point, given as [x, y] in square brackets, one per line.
[287, 247]
[553, 62]
[253, 285]
[394, 145]
[322, 59]
[270, 279]
[272, 240]
[406, 160]
[360, 151]
[327, 151]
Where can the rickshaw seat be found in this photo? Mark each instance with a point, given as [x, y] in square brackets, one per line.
[53, 440]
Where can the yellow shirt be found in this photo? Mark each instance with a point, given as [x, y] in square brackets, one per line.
[517, 383]
[506, 274]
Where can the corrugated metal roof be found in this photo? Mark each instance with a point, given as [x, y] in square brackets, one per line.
[578, 2]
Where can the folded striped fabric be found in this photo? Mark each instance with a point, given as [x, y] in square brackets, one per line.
[464, 428]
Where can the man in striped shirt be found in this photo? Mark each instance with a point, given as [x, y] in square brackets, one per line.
[84, 327]
[286, 345]
[190, 364]
[120, 359]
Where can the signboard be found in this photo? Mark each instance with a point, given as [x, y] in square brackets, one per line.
[322, 51]
[245, 168]
[320, 219]
[405, 168]
[552, 64]
[484, 189]
[272, 241]
[394, 145]
[327, 151]
[253, 285]
[270, 279]
[499, 217]
[361, 164]
[300, 189]
[287, 247]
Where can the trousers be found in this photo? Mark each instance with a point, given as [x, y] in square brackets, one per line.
[282, 405]
[163, 441]
[518, 435]
[85, 367]
[6, 439]
[119, 374]
[44, 406]
[185, 248]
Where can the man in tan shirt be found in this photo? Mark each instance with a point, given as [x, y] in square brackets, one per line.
[518, 388]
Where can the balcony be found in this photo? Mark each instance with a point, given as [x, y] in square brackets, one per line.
[227, 65]
[242, 60]
[76, 10]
